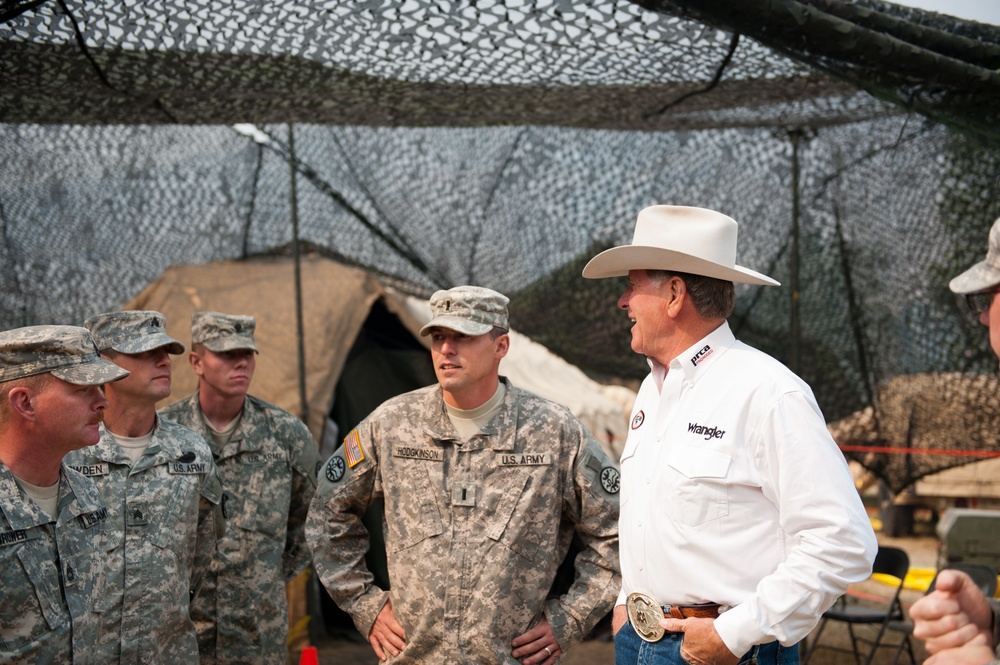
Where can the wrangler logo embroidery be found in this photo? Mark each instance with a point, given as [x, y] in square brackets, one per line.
[708, 432]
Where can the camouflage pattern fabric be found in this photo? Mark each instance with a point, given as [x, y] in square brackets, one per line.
[165, 514]
[474, 531]
[51, 573]
[268, 470]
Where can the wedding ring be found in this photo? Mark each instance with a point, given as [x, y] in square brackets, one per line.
[548, 651]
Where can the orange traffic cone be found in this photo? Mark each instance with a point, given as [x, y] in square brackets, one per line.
[309, 656]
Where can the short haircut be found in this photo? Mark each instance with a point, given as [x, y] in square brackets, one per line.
[496, 332]
[712, 298]
[36, 382]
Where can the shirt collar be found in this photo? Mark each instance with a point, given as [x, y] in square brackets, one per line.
[697, 359]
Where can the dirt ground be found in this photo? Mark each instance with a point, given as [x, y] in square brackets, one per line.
[921, 549]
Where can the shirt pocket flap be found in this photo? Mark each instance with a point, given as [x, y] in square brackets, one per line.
[699, 462]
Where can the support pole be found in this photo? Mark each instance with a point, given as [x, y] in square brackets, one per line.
[794, 326]
[300, 339]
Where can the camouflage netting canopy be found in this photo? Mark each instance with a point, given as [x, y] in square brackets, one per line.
[503, 143]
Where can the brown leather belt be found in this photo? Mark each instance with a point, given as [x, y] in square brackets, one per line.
[645, 614]
[706, 611]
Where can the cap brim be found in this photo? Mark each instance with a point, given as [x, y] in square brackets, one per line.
[94, 373]
[618, 261]
[979, 277]
[224, 344]
[148, 343]
[464, 326]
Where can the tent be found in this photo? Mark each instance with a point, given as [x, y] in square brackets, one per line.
[360, 342]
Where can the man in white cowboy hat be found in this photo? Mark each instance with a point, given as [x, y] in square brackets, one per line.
[956, 622]
[52, 519]
[739, 517]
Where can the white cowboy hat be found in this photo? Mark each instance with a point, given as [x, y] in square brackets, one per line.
[678, 239]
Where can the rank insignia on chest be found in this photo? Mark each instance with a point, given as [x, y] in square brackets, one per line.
[352, 450]
[136, 514]
[463, 494]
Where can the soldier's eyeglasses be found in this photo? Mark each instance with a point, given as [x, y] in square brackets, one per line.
[980, 302]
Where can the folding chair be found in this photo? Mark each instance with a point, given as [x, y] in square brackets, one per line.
[983, 575]
[888, 561]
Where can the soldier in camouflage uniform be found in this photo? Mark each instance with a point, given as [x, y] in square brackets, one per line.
[164, 496]
[267, 460]
[52, 519]
[484, 485]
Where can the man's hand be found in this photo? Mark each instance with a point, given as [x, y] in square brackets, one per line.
[538, 645]
[953, 615]
[386, 635]
[618, 618]
[702, 644]
[976, 653]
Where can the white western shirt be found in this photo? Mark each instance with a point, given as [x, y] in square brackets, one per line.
[734, 492]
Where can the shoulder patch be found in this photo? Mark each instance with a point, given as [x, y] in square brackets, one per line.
[335, 468]
[610, 479]
[352, 450]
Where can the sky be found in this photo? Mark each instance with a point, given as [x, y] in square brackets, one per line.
[984, 11]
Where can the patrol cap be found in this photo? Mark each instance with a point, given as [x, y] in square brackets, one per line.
[223, 332]
[66, 352]
[131, 332]
[471, 310]
[986, 273]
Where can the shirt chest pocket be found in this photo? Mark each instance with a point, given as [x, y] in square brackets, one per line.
[697, 487]
[264, 488]
[31, 594]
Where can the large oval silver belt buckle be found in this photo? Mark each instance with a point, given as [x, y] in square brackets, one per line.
[645, 615]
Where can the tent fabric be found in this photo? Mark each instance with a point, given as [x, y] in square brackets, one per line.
[336, 300]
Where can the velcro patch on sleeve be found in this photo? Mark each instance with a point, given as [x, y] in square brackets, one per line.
[353, 451]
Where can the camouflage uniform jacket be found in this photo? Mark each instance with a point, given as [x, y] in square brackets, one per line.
[268, 471]
[167, 517]
[475, 531]
[50, 572]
